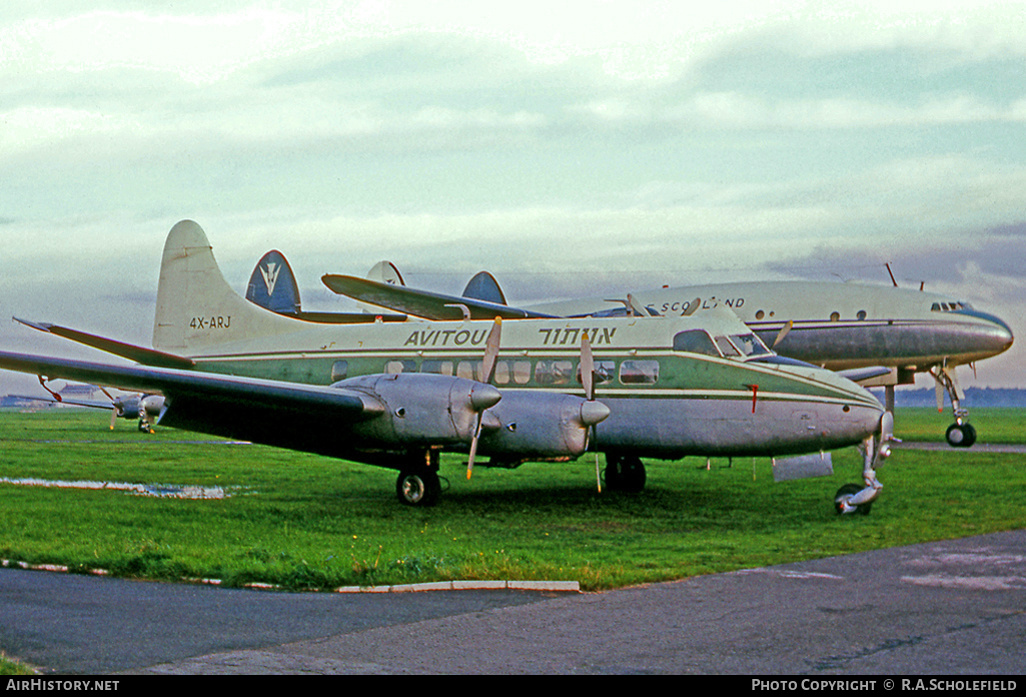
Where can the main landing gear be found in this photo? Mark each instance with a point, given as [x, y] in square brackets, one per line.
[418, 483]
[625, 473]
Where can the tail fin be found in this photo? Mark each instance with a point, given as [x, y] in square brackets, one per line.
[483, 286]
[273, 285]
[386, 272]
[197, 310]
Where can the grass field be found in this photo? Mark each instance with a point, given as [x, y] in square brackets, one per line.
[302, 521]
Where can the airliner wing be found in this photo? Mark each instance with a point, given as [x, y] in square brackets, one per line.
[263, 411]
[421, 303]
[862, 376]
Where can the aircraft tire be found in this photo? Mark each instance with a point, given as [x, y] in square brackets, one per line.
[625, 473]
[960, 435]
[846, 492]
[418, 487]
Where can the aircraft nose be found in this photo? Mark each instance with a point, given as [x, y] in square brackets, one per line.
[994, 337]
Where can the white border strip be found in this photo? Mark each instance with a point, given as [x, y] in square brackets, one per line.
[553, 586]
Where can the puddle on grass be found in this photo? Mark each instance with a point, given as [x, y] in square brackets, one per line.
[176, 491]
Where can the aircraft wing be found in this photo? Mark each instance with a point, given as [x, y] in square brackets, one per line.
[862, 376]
[139, 354]
[421, 303]
[263, 411]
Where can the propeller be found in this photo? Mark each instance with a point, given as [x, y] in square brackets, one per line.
[487, 372]
[588, 381]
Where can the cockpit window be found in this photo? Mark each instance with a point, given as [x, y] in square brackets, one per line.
[749, 345]
[695, 341]
[726, 348]
[950, 306]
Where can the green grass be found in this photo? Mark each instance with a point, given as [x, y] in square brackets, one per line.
[9, 666]
[994, 425]
[302, 521]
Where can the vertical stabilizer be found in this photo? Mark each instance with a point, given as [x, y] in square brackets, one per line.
[197, 310]
[273, 285]
[483, 286]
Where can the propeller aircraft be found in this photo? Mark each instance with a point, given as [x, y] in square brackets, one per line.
[398, 393]
[877, 336]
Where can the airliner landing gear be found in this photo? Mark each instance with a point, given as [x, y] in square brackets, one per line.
[852, 498]
[418, 483]
[960, 434]
[419, 487]
[625, 473]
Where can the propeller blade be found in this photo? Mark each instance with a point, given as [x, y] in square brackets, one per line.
[588, 381]
[113, 416]
[488, 363]
[473, 444]
[587, 367]
[491, 351]
[783, 332]
[939, 388]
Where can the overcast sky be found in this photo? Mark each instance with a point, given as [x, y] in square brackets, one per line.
[568, 147]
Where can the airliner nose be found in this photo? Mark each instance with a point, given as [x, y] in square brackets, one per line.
[997, 337]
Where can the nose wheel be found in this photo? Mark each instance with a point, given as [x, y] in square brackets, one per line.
[961, 435]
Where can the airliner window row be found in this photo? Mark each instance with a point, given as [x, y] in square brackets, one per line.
[556, 372]
[545, 373]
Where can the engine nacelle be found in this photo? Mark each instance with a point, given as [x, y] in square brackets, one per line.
[532, 424]
[422, 408]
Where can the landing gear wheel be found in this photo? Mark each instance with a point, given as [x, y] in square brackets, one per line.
[844, 494]
[961, 435]
[419, 487]
[625, 473]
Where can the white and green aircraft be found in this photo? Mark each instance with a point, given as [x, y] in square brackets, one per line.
[398, 393]
[879, 336]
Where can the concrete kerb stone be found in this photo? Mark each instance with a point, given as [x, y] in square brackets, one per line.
[553, 586]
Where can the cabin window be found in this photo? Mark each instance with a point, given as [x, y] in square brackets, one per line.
[695, 341]
[835, 316]
[394, 367]
[436, 367]
[518, 372]
[760, 314]
[749, 345]
[339, 370]
[605, 371]
[468, 369]
[521, 372]
[639, 372]
[553, 372]
[861, 314]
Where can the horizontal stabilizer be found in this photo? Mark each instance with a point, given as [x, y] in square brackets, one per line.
[421, 303]
[139, 354]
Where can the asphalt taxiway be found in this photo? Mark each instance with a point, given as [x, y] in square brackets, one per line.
[953, 608]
